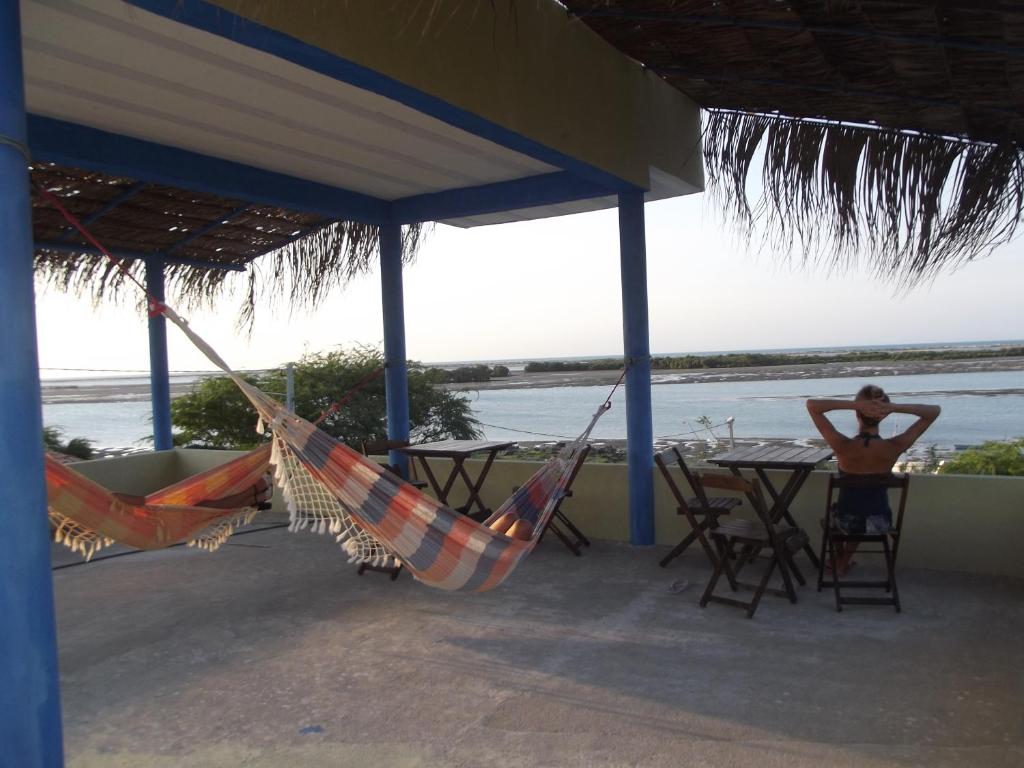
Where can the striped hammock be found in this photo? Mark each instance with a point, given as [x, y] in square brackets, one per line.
[330, 487]
[375, 515]
[87, 517]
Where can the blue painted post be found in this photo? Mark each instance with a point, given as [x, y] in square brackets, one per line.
[159, 375]
[30, 732]
[289, 387]
[639, 430]
[395, 375]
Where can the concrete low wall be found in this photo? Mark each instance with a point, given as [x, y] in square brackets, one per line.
[142, 473]
[954, 523]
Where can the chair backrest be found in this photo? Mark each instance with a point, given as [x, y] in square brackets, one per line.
[672, 455]
[382, 448]
[580, 458]
[901, 482]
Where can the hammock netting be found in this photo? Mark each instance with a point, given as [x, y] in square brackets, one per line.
[377, 518]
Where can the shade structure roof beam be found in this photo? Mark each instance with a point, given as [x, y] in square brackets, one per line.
[545, 190]
[207, 229]
[746, 22]
[94, 217]
[92, 149]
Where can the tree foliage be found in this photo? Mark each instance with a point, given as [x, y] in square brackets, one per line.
[79, 447]
[994, 457]
[217, 415]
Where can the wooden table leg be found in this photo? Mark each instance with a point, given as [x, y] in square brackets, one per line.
[474, 488]
[456, 469]
[782, 500]
[435, 486]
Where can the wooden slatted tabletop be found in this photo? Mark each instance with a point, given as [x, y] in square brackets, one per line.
[773, 457]
[454, 448]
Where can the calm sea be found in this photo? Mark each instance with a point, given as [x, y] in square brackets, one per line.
[975, 407]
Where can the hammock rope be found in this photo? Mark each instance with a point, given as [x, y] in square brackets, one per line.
[439, 545]
[375, 515]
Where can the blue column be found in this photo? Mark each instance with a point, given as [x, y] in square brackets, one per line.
[639, 432]
[395, 376]
[30, 732]
[159, 376]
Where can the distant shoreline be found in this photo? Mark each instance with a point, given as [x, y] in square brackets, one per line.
[86, 392]
[664, 376]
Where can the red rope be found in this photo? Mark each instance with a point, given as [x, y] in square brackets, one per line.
[155, 307]
[336, 405]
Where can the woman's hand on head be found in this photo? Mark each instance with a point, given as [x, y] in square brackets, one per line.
[873, 409]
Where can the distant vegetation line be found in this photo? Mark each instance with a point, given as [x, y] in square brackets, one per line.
[758, 359]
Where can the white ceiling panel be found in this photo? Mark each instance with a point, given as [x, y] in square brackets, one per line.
[112, 66]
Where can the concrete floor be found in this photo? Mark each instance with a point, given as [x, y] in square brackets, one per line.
[272, 652]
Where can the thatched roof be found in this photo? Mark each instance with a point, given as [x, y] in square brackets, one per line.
[949, 67]
[202, 238]
[888, 130]
[881, 130]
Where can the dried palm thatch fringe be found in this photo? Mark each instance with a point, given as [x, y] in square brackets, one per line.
[305, 271]
[302, 272]
[906, 204]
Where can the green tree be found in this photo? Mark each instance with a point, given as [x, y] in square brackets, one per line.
[990, 458]
[217, 415]
[79, 447]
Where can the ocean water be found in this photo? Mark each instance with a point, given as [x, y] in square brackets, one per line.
[975, 407]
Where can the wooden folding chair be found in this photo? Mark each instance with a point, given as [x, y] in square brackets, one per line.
[741, 542]
[572, 536]
[382, 447]
[888, 541]
[701, 511]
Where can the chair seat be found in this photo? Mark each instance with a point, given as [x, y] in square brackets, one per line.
[748, 530]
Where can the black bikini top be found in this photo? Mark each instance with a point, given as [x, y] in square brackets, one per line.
[868, 438]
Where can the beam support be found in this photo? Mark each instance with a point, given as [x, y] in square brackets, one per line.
[92, 218]
[639, 429]
[396, 380]
[30, 728]
[159, 373]
[79, 146]
[530, 192]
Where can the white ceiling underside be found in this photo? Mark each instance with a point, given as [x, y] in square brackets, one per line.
[108, 65]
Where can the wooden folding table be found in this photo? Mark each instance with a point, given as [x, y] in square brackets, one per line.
[458, 451]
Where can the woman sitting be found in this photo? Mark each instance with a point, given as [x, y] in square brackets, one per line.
[865, 509]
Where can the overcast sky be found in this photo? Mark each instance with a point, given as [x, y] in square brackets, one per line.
[551, 288]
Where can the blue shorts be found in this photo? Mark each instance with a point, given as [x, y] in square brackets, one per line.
[862, 511]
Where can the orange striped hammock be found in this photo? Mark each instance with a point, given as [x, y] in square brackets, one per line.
[86, 517]
[376, 516]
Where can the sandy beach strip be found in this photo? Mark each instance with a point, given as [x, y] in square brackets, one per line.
[62, 392]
